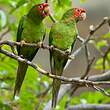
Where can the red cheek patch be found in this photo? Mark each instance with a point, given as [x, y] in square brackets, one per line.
[76, 14]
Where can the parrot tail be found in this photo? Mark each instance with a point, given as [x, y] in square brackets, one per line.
[56, 87]
[22, 68]
[57, 64]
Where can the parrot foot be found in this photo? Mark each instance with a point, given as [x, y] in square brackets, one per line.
[22, 43]
[21, 56]
[40, 44]
[67, 53]
[72, 57]
[51, 48]
[86, 78]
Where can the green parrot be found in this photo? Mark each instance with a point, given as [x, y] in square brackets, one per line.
[30, 30]
[63, 35]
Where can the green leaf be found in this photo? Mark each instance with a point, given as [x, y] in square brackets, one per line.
[101, 44]
[3, 19]
[107, 35]
[60, 7]
[88, 96]
[98, 64]
[5, 106]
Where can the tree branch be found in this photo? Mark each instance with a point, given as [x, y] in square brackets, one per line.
[72, 81]
[46, 1]
[66, 88]
[38, 45]
[90, 107]
[62, 78]
[84, 43]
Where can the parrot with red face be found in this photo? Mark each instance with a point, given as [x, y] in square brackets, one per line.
[63, 35]
[30, 30]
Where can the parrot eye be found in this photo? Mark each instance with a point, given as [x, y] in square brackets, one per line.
[78, 10]
[40, 7]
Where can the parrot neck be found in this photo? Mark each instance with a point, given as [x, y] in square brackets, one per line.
[69, 21]
[68, 17]
[35, 16]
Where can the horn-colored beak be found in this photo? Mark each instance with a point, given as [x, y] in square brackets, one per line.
[83, 16]
[46, 10]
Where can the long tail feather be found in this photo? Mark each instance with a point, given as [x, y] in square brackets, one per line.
[56, 87]
[57, 64]
[22, 68]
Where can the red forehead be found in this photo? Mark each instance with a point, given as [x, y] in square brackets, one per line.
[44, 4]
[80, 9]
[41, 7]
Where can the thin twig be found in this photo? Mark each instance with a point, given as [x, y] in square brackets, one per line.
[90, 107]
[105, 57]
[89, 62]
[46, 1]
[62, 78]
[92, 31]
[88, 68]
[103, 91]
[52, 18]
[44, 93]
[4, 33]
[38, 45]
[79, 82]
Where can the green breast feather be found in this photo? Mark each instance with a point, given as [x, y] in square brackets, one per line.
[63, 35]
[32, 32]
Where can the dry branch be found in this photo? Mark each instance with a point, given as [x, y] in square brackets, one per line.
[34, 45]
[90, 107]
[103, 77]
[62, 78]
[79, 82]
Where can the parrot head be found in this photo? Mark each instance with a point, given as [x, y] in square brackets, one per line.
[79, 14]
[43, 9]
[38, 12]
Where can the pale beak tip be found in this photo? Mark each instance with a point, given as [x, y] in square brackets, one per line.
[83, 15]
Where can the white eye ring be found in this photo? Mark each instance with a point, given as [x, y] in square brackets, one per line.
[40, 6]
[78, 10]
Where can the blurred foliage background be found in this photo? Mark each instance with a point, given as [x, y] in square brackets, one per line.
[34, 83]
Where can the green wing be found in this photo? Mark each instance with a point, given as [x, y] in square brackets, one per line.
[63, 37]
[19, 32]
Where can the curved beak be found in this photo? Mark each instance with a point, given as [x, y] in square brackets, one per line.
[83, 16]
[46, 10]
